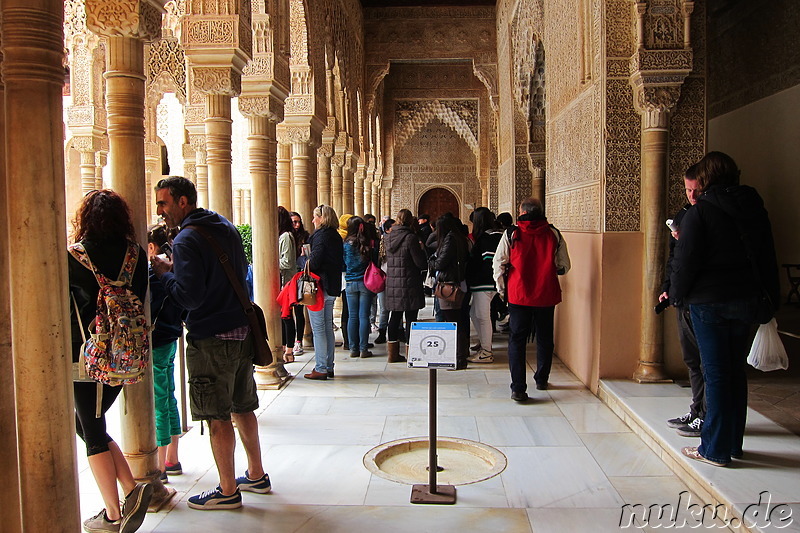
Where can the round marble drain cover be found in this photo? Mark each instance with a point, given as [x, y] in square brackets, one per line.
[461, 461]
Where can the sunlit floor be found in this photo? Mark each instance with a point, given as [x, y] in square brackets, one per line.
[573, 464]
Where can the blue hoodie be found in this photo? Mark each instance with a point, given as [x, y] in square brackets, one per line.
[198, 282]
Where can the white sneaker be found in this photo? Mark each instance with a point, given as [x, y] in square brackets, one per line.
[483, 356]
[298, 348]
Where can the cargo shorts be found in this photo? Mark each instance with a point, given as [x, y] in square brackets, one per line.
[221, 378]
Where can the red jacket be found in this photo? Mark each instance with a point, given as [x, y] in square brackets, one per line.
[532, 271]
[288, 296]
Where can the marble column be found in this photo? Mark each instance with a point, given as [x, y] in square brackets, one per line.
[284, 177]
[101, 160]
[376, 202]
[358, 190]
[125, 82]
[368, 197]
[33, 75]
[304, 157]
[262, 143]
[9, 469]
[336, 183]
[347, 191]
[655, 142]
[88, 171]
[655, 93]
[218, 153]
[324, 175]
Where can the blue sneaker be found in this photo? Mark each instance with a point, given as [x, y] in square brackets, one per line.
[260, 485]
[213, 499]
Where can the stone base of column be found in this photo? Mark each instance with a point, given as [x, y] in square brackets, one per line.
[160, 499]
[651, 373]
[274, 376]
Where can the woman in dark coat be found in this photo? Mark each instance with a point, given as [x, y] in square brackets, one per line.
[326, 262]
[405, 260]
[450, 264]
[724, 260]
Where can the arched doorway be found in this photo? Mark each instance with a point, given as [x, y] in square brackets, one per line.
[437, 202]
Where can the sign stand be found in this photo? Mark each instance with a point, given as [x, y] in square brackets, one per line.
[426, 348]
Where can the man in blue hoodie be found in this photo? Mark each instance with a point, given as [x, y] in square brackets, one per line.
[219, 354]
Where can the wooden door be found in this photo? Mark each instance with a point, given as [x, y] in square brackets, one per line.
[437, 202]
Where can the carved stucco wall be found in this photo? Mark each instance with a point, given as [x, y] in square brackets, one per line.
[436, 151]
[438, 130]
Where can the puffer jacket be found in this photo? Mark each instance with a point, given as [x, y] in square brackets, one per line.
[405, 260]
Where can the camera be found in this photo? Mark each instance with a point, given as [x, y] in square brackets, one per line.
[663, 304]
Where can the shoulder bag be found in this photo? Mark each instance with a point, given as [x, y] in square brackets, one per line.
[262, 354]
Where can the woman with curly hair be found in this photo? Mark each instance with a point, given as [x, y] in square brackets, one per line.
[103, 227]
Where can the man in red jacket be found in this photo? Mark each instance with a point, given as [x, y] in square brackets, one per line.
[528, 261]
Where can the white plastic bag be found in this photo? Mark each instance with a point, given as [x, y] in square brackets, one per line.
[767, 352]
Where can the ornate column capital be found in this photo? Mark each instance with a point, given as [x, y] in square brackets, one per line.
[656, 79]
[266, 106]
[137, 19]
[218, 42]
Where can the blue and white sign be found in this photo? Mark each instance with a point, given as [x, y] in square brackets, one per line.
[432, 345]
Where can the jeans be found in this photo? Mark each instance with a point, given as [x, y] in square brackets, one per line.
[324, 341]
[359, 304]
[168, 421]
[521, 319]
[722, 331]
[480, 312]
[384, 319]
[691, 357]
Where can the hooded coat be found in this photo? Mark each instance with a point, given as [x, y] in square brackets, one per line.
[405, 261]
[198, 282]
[711, 262]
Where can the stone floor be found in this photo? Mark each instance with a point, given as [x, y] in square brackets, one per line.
[573, 463]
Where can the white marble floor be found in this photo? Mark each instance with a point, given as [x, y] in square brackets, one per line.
[572, 463]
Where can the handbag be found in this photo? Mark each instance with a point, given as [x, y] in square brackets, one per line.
[768, 352]
[450, 292]
[374, 278]
[306, 288]
[262, 354]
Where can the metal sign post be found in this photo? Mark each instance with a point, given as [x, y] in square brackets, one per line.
[432, 345]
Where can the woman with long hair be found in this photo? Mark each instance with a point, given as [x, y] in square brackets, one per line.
[405, 261]
[724, 262]
[287, 264]
[103, 227]
[301, 238]
[450, 263]
[480, 280]
[325, 261]
[359, 252]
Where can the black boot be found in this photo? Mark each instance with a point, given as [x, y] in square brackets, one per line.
[381, 338]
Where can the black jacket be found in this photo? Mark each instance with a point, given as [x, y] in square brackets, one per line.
[327, 258]
[405, 262]
[711, 262]
[480, 276]
[676, 221]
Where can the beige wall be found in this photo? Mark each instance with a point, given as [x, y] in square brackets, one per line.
[763, 139]
[598, 323]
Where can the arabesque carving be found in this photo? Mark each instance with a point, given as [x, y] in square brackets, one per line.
[215, 80]
[124, 18]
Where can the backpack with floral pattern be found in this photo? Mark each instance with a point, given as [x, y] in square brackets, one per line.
[118, 351]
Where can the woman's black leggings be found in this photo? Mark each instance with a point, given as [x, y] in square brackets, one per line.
[395, 318]
[288, 331]
[300, 321]
[89, 428]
